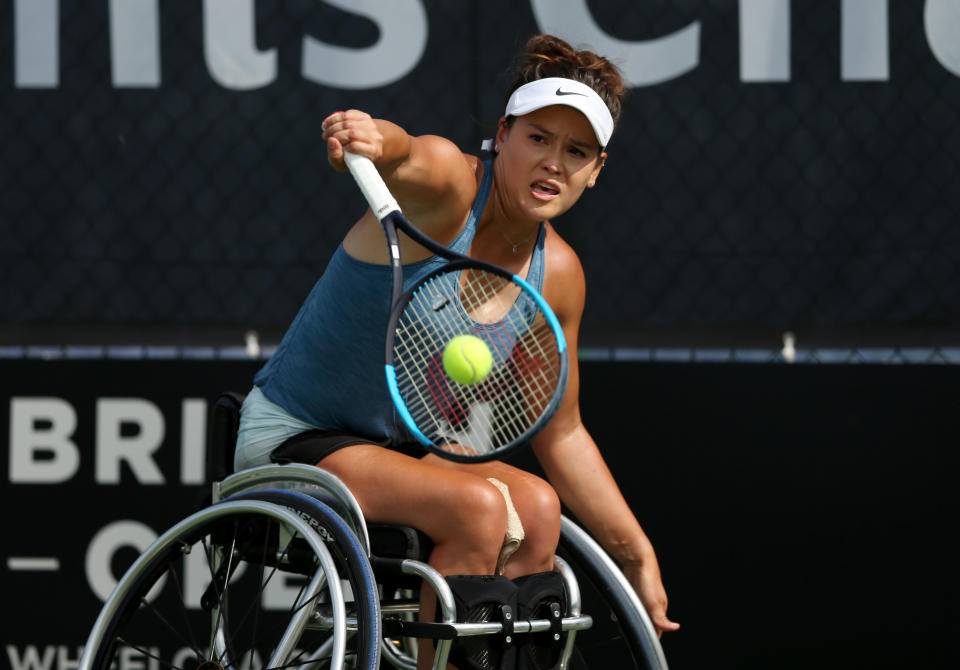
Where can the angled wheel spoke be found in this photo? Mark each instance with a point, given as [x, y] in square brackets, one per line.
[207, 591]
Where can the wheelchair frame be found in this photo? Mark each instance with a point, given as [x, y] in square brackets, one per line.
[306, 502]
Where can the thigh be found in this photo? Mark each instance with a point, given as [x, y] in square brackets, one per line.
[392, 487]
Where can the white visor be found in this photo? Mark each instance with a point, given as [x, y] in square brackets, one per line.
[561, 91]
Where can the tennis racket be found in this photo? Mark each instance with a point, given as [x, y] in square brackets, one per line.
[515, 400]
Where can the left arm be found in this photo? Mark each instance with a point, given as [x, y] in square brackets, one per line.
[575, 467]
[583, 481]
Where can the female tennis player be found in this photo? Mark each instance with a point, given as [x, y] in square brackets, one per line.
[322, 398]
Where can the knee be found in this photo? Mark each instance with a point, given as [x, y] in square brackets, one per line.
[481, 514]
[491, 510]
[540, 517]
[540, 505]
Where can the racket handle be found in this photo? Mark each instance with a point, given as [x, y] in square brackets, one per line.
[371, 184]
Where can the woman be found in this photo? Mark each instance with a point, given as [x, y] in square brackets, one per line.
[322, 399]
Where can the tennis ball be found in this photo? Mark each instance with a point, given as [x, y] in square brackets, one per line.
[467, 359]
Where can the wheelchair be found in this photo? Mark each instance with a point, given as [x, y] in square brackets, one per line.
[281, 570]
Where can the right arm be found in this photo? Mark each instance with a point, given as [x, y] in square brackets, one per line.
[433, 182]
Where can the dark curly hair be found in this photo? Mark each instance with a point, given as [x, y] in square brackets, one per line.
[549, 56]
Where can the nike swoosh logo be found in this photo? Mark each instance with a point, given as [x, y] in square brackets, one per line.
[560, 91]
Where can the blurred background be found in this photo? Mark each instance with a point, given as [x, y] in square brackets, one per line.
[772, 253]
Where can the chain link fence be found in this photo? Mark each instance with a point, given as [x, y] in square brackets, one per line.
[191, 211]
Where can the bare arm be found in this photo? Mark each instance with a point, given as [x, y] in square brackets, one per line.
[433, 182]
[577, 470]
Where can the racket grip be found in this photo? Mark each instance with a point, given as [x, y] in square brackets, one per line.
[371, 184]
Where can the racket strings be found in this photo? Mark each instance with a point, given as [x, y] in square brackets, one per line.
[526, 361]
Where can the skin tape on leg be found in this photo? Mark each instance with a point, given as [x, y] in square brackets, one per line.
[514, 534]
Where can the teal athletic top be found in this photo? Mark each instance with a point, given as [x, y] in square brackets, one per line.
[328, 371]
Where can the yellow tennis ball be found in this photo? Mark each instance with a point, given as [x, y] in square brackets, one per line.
[467, 359]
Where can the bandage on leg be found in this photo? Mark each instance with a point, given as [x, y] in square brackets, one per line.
[514, 534]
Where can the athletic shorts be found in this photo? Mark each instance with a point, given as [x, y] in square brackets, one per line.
[313, 446]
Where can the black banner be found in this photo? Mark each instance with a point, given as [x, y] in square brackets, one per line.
[803, 515]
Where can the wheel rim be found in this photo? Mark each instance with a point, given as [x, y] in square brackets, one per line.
[239, 585]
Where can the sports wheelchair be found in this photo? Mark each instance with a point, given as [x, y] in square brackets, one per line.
[280, 570]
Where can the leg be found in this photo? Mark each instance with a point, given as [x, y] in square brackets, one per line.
[537, 504]
[462, 512]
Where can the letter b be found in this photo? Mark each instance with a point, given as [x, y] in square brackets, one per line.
[41, 449]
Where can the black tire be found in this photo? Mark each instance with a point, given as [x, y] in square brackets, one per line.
[351, 560]
[621, 635]
[206, 593]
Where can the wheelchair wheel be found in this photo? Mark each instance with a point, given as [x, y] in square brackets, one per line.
[242, 584]
[622, 635]
[352, 563]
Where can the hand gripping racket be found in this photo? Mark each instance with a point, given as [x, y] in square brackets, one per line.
[515, 400]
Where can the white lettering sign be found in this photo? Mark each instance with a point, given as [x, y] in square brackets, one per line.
[229, 45]
[234, 61]
[402, 25]
[127, 432]
[113, 448]
[41, 446]
[643, 62]
[941, 18]
[105, 544]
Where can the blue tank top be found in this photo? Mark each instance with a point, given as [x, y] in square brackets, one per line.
[328, 369]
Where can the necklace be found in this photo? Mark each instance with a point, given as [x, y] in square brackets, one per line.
[514, 246]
